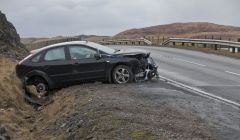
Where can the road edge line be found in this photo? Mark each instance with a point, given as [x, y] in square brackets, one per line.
[202, 93]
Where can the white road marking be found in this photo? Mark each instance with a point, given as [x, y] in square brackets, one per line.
[232, 73]
[200, 92]
[190, 62]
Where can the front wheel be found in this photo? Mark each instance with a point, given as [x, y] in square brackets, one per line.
[122, 74]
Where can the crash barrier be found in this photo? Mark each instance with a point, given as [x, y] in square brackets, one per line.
[138, 41]
[232, 46]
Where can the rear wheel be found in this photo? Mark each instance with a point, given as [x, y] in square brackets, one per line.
[40, 85]
[122, 74]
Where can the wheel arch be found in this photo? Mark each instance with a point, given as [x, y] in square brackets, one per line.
[118, 64]
[42, 75]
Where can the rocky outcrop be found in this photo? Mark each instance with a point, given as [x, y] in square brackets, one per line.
[10, 44]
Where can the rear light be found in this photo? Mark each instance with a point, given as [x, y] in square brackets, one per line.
[20, 62]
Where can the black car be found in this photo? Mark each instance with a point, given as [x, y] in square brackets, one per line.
[81, 61]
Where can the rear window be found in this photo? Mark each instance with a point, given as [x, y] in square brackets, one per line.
[55, 54]
[36, 58]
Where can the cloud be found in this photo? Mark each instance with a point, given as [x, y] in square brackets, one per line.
[108, 17]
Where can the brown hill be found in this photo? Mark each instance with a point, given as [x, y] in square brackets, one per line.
[191, 30]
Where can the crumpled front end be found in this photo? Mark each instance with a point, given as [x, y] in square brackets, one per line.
[148, 69]
[145, 68]
[151, 70]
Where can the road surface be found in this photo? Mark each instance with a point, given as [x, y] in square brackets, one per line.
[211, 73]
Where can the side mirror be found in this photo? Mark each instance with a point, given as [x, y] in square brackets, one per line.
[98, 56]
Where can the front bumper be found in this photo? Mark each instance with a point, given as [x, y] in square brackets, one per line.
[150, 71]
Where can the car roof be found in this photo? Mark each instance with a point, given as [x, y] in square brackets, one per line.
[90, 44]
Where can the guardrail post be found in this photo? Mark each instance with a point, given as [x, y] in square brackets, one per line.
[174, 43]
[238, 49]
[183, 44]
[215, 47]
[204, 45]
[193, 44]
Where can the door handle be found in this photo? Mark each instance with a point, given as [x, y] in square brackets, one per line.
[76, 63]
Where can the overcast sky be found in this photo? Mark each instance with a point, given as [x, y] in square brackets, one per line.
[46, 18]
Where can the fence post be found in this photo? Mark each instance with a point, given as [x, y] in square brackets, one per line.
[215, 47]
[163, 39]
[238, 49]
[233, 49]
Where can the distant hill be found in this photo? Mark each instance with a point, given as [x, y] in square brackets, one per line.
[93, 38]
[10, 44]
[190, 30]
[34, 43]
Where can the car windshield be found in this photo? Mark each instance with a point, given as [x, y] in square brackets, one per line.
[105, 49]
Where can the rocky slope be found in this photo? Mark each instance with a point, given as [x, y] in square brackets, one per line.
[10, 44]
[192, 30]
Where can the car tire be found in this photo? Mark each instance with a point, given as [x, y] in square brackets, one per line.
[122, 74]
[40, 85]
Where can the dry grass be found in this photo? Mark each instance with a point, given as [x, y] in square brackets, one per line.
[18, 117]
[13, 109]
[10, 85]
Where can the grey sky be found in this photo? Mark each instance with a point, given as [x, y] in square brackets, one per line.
[44, 18]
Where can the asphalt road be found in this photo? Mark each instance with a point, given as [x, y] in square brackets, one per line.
[211, 73]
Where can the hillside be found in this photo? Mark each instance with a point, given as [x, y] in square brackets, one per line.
[191, 30]
[93, 38]
[10, 44]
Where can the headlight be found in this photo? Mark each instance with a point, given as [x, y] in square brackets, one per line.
[151, 61]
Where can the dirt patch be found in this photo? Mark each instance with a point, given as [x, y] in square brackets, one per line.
[101, 111]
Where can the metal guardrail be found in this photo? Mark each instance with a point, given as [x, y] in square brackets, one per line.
[127, 41]
[220, 43]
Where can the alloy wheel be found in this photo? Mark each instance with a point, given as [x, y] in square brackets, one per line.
[122, 75]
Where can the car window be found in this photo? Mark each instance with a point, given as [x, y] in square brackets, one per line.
[81, 52]
[55, 54]
[105, 49]
[36, 58]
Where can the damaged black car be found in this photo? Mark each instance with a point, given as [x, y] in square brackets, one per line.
[82, 61]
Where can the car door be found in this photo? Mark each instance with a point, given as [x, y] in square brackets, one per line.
[85, 65]
[56, 66]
